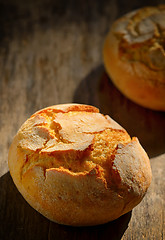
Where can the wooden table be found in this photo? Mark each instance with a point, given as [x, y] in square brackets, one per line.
[51, 53]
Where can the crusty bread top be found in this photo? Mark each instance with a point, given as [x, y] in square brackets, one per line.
[70, 136]
[141, 36]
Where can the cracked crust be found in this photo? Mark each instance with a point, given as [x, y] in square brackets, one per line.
[134, 56]
[78, 167]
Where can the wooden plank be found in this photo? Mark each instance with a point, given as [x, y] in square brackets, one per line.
[51, 53]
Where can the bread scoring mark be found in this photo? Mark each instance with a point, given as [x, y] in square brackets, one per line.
[141, 37]
[70, 107]
[75, 141]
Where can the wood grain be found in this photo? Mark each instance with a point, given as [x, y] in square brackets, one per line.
[51, 53]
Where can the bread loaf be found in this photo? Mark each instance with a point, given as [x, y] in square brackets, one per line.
[134, 56]
[78, 167]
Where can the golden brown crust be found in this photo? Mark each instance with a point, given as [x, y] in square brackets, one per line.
[134, 56]
[69, 107]
[78, 167]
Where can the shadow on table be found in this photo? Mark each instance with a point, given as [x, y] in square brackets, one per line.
[149, 126]
[19, 221]
[112, 230]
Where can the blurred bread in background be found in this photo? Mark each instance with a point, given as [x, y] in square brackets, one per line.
[134, 56]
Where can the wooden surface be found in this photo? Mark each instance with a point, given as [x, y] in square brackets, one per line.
[51, 53]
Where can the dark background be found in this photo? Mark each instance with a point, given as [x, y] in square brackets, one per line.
[51, 53]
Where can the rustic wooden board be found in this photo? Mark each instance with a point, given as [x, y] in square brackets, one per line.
[51, 53]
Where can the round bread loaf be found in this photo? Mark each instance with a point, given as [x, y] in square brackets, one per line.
[134, 56]
[78, 167]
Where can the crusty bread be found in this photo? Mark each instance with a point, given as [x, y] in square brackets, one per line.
[78, 167]
[134, 56]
